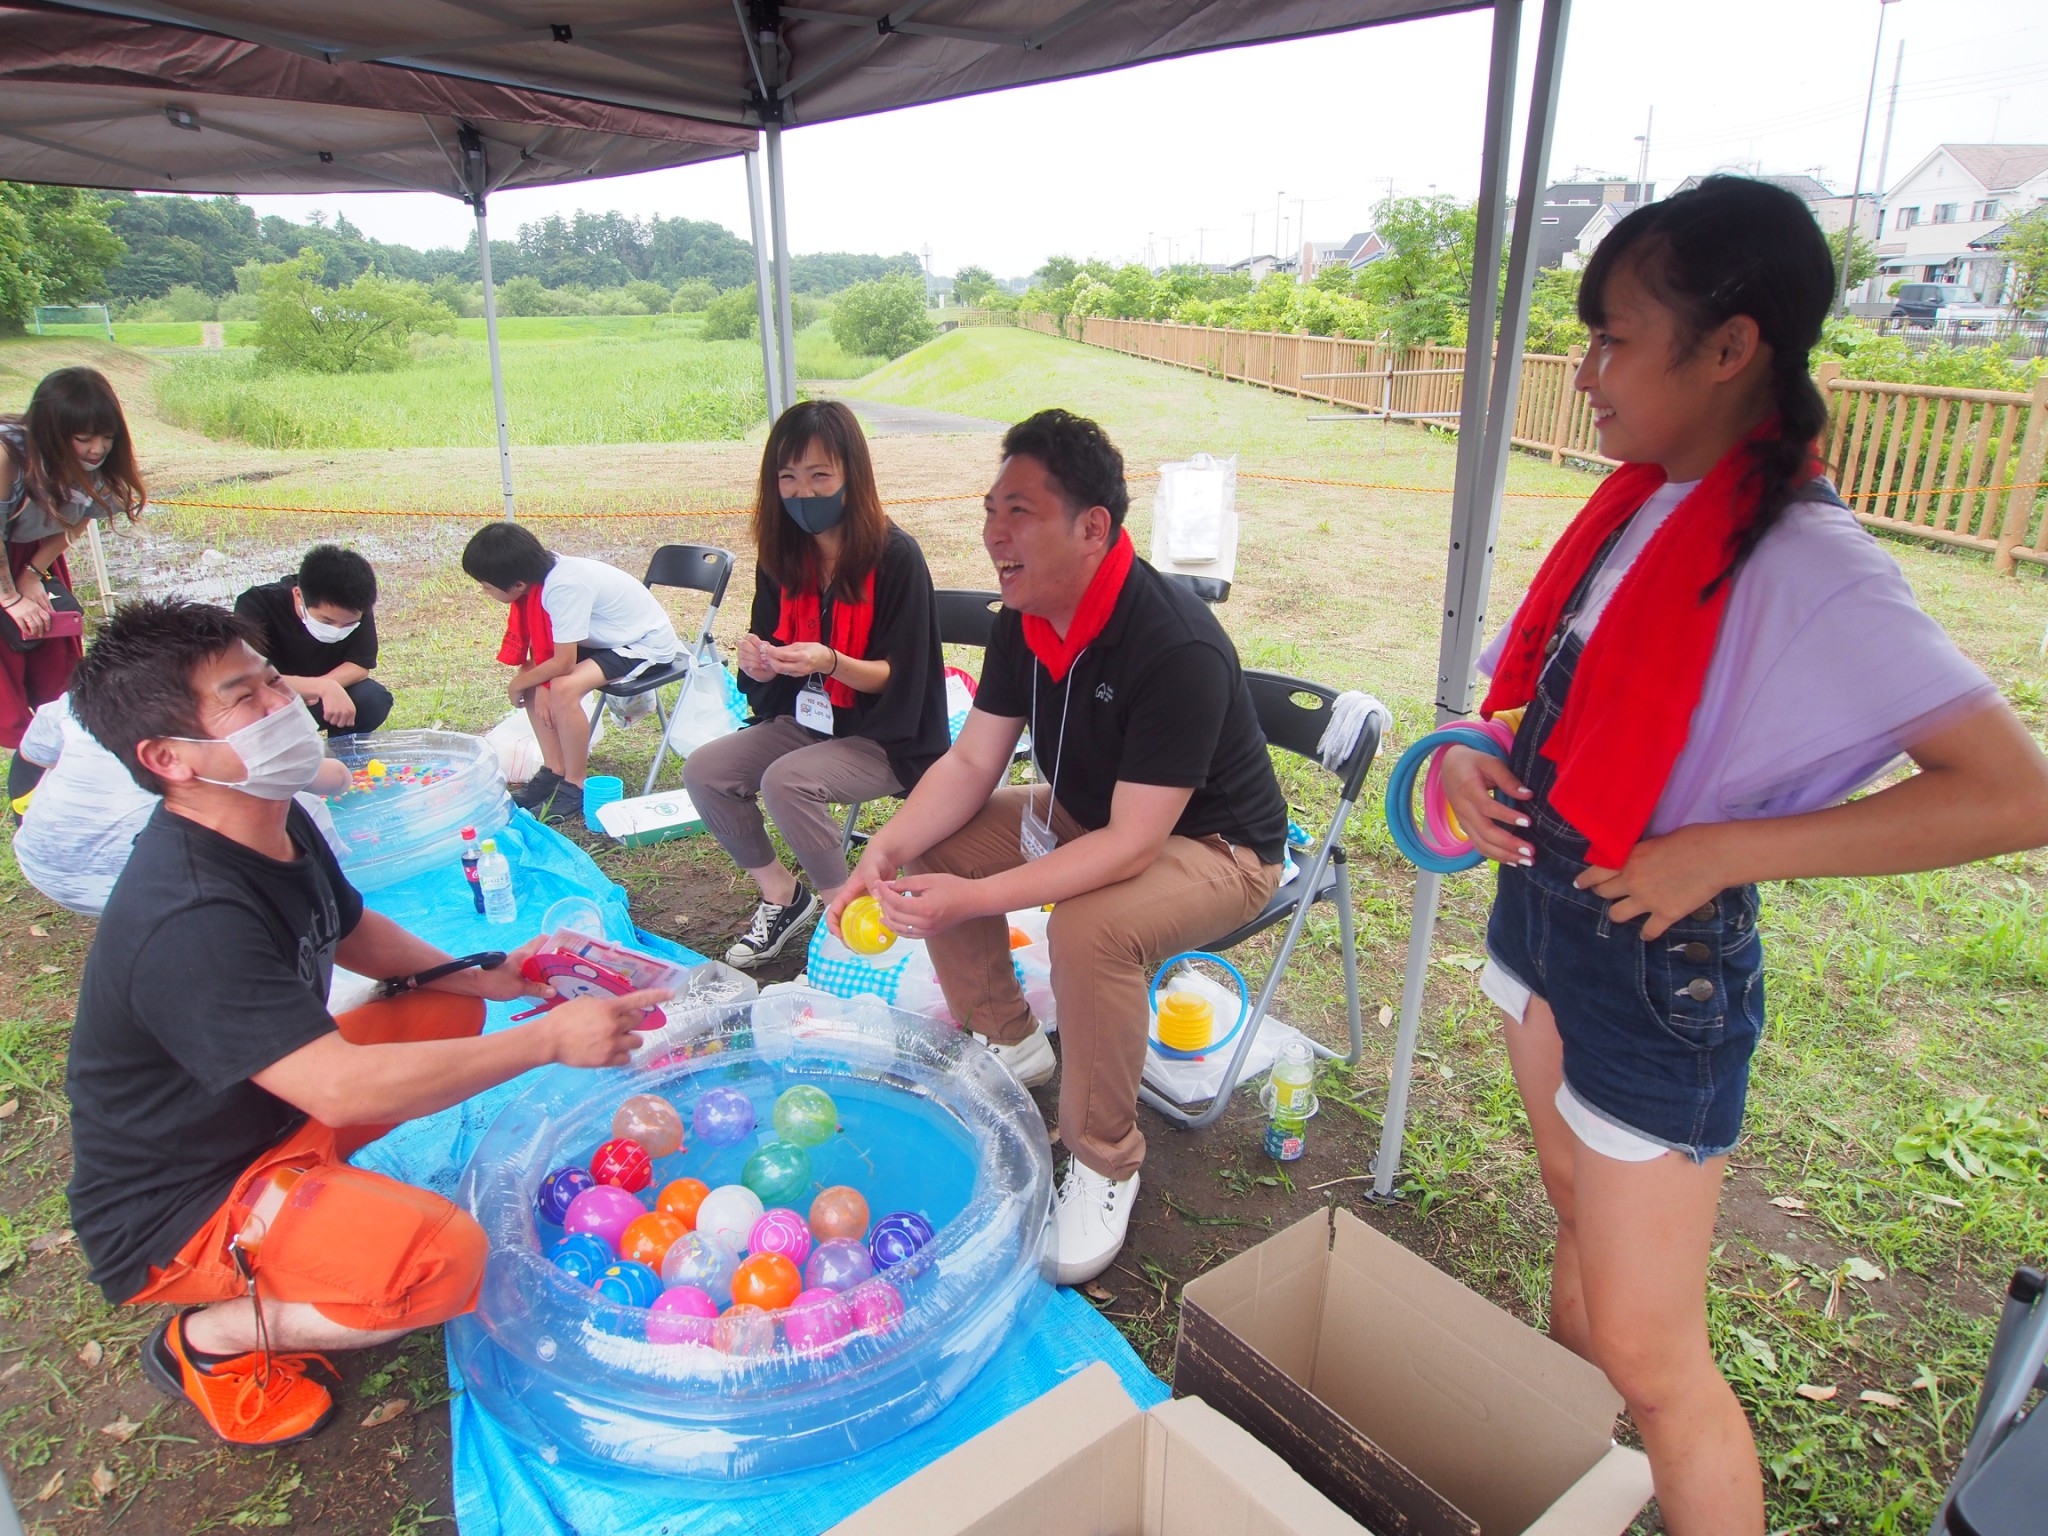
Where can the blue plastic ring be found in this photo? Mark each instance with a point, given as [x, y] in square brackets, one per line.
[1244, 1005]
[1401, 794]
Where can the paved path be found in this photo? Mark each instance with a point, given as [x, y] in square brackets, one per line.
[882, 420]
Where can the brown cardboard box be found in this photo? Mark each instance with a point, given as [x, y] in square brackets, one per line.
[1083, 1461]
[1419, 1407]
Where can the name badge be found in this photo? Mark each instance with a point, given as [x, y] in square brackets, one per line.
[1035, 836]
[814, 706]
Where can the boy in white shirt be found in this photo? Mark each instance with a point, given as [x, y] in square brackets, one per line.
[576, 625]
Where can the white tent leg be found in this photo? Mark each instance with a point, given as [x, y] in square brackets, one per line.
[99, 565]
[771, 369]
[1486, 414]
[778, 215]
[483, 257]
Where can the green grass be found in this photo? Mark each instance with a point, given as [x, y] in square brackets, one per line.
[568, 380]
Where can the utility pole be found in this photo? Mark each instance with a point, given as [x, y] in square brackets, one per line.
[1862, 144]
[1253, 254]
[1643, 159]
[1884, 155]
[1277, 196]
[1201, 245]
[1300, 227]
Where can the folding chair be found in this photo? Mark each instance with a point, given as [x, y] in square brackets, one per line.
[2003, 1479]
[1294, 714]
[966, 617]
[693, 568]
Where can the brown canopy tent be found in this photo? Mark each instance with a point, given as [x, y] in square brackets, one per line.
[296, 94]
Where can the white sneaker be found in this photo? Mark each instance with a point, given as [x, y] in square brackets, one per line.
[1030, 1060]
[1090, 1217]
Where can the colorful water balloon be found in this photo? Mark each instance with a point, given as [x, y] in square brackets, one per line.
[743, 1330]
[779, 1172]
[722, 1117]
[652, 1121]
[766, 1280]
[807, 1116]
[581, 1257]
[557, 1190]
[628, 1284]
[603, 1211]
[838, 1265]
[782, 1231]
[875, 1307]
[680, 1198]
[647, 1239]
[682, 1314]
[622, 1163]
[728, 1214]
[695, 1260]
[816, 1321]
[839, 1211]
[897, 1236]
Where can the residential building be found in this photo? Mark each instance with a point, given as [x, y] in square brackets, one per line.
[1569, 206]
[1360, 250]
[1935, 220]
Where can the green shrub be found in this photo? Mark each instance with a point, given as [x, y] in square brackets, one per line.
[367, 325]
[882, 319]
[732, 316]
[693, 297]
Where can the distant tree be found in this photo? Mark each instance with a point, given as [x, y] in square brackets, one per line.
[1554, 325]
[1057, 272]
[367, 325]
[2026, 248]
[1423, 284]
[732, 316]
[55, 248]
[692, 296]
[522, 295]
[647, 297]
[1863, 265]
[975, 287]
[882, 319]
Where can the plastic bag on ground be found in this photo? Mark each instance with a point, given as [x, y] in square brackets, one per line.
[518, 750]
[709, 706]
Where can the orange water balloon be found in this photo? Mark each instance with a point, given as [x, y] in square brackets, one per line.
[839, 1212]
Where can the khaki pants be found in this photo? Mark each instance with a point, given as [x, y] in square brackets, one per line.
[799, 777]
[1103, 942]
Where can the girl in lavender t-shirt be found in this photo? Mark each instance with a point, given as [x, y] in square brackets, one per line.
[1635, 985]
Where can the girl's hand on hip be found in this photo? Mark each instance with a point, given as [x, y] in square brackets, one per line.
[1497, 829]
[1665, 879]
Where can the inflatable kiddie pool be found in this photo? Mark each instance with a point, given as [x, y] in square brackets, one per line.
[414, 792]
[928, 1122]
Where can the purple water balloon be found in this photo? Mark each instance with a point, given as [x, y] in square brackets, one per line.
[838, 1265]
[603, 1211]
[722, 1117]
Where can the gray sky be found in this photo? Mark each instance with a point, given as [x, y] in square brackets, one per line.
[1197, 151]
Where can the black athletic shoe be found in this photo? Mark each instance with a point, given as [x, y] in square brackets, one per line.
[536, 789]
[565, 803]
[773, 927]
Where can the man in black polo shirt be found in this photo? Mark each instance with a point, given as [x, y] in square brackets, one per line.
[1157, 824]
[320, 632]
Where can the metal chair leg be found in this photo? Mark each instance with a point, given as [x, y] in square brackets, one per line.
[661, 743]
[846, 833]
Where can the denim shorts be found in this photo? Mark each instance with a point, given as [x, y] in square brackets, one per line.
[1657, 1034]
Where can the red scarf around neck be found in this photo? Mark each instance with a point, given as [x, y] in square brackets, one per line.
[529, 632]
[851, 624]
[1057, 653]
[1630, 708]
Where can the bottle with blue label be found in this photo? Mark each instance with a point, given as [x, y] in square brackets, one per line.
[1290, 1100]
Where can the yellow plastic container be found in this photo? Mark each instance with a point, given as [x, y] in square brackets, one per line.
[862, 927]
[1187, 1021]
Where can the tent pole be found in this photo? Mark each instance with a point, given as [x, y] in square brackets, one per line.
[778, 213]
[483, 258]
[1475, 503]
[771, 371]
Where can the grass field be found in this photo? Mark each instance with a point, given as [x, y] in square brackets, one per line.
[1852, 1295]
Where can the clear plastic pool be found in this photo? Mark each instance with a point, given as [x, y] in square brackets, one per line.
[410, 820]
[929, 1123]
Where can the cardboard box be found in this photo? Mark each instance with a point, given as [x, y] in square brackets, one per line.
[650, 818]
[1417, 1406]
[1083, 1461]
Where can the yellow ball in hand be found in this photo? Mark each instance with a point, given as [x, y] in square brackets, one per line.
[862, 927]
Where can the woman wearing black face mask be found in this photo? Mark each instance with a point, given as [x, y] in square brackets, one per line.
[841, 665]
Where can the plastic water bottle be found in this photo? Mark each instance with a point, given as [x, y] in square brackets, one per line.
[494, 881]
[469, 866]
[1292, 1094]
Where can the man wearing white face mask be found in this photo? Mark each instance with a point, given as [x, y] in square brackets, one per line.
[320, 632]
[214, 1100]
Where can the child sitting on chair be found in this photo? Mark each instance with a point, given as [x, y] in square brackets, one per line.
[576, 626]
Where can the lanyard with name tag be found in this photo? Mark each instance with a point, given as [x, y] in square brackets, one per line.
[814, 706]
[1035, 836]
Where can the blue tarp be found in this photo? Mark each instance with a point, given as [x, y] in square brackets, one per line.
[501, 1488]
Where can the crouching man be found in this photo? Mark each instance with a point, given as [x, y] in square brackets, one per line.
[214, 1100]
[1156, 824]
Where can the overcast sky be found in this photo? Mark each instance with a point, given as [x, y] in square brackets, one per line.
[1193, 155]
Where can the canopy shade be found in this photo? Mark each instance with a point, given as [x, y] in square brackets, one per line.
[746, 62]
[105, 101]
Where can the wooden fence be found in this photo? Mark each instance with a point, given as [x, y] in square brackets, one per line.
[1954, 466]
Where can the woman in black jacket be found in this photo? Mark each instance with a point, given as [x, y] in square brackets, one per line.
[841, 665]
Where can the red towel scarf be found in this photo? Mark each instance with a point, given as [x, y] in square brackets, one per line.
[529, 632]
[851, 625]
[1639, 679]
[1107, 584]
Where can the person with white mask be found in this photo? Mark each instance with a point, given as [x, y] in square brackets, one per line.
[320, 632]
[215, 1100]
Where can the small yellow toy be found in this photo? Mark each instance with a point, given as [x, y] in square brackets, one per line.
[862, 927]
[1187, 1021]
[374, 768]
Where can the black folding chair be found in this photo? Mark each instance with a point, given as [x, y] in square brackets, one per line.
[693, 568]
[2002, 1484]
[1294, 714]
[966, 617]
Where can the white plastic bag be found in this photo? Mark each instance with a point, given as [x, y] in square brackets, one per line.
[706, 709]
[1194, 518]
[518, 751]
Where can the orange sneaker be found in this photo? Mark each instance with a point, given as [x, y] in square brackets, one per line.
[240, 1402]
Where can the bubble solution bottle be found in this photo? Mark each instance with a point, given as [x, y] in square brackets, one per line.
[469, 866]
[494, 879]
[1290, 1098]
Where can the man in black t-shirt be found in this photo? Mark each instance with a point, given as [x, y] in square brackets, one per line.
[319, 629]
[214, 1100]
[1157, 824]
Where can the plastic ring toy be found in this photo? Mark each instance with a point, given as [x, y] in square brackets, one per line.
[1244, 1005]
[1438, 844]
